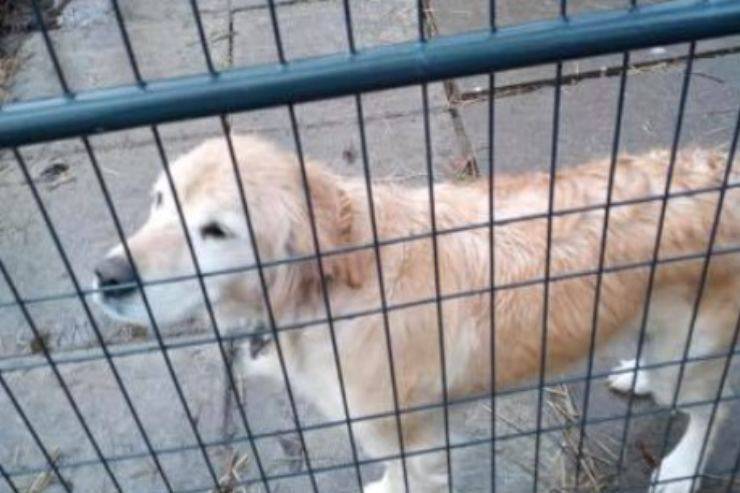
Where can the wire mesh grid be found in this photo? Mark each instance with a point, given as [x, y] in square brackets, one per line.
[223, 337]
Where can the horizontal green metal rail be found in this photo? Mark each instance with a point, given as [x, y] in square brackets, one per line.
[372, 69]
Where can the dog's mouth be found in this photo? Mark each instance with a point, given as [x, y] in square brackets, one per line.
[259, 342]
[113, 298]
[258, 345]
[117, 292]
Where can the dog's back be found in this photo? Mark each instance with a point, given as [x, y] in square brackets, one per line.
[521, 243]
[689, 219]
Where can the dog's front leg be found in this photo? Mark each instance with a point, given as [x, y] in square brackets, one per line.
[391, 482]
[425, 473]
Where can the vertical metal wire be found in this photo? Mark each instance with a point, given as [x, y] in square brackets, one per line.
[376, 249]
[68, 267]
[728, 361]
[276, 31]
[19, 409]
[150, 315]
[8, 480]
[492, 245]
[96, 330]
[302, 165]
[381, 288]
[695, 309]
[421, 14]
[324, 290]
[127, 43]
[437, 280]
[379, 268]
[715, 406]
[655, 253]
[65, 87]
[735, 471]
[263, 281]
[232, 155]
[32, 325]
[602, 258]
[348, 26]
[231, 380]
[39, 17]
[202, 37]
[327, 301]
[229, 371]
[492, 270]
[546, 284]
[134, 65]
[299, 151]
[325, 294]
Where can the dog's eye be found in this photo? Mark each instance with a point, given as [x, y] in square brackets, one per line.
[213, 230]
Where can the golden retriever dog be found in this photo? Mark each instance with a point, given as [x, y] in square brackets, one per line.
[273, 185]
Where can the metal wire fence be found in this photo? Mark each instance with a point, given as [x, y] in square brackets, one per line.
[355, 73]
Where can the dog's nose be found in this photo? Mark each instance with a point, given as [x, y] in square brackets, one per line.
[116, 276]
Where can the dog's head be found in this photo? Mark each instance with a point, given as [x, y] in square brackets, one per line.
[208, 197]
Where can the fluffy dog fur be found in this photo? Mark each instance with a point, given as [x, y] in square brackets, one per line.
[274, 190]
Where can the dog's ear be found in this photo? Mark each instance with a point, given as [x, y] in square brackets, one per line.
[347, 267]
[334, 212]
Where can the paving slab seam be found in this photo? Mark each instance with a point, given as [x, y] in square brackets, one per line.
[453, 94]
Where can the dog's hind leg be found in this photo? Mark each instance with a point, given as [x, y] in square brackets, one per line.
[700, 384]
[676, 470]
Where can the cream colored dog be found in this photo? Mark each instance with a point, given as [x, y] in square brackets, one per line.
[274, 189]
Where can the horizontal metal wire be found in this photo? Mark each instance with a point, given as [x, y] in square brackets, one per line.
[729, 472]
[375, 460]
[416, 409]
[385, 67]
[387, 242]
[5, 367]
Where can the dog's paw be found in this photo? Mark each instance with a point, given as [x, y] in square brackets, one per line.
[660, 483]
[622, 381]
[380, 486]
